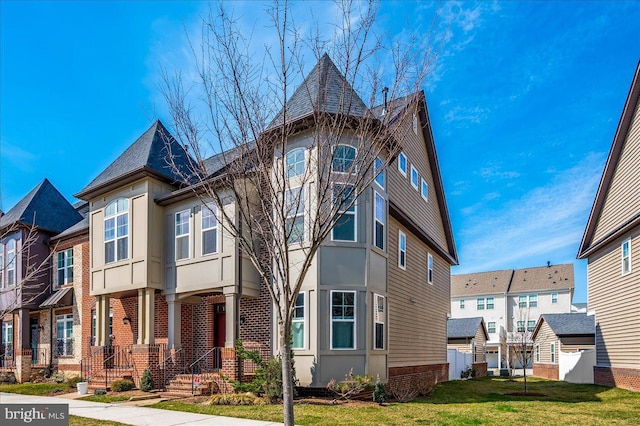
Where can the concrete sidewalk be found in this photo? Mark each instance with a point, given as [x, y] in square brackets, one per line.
[141, 416]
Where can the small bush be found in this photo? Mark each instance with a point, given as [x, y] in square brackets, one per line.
[236, 399]
[469, 373]
[58, 377]
[100, 392]
[146, 383]
[352, 386]
[73, 381]
[122, 385]
[379, 393]
[272, 374]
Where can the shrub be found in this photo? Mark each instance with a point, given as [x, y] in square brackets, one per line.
[379, 393]
[351, 386]
[146, 383]
[235, 399]
[122, 385]
[73, 381]
[469, 373]
[272, 375]
[100, 392]
[58, 377]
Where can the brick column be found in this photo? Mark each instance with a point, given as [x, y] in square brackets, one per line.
[230, 364]
[143, 357]
[23, 365]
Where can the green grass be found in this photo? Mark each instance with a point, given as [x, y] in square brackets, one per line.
[482, 401]
[35, 388]
[106, 398]
[84, 421]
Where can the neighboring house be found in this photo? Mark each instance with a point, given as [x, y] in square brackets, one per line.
[579, 308]
[190, 293]
[611, 244]
[468, 335]
[25, 274]
[555, 333]
[510, 302]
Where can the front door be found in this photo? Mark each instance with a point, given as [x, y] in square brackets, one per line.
[219, 332]
[34, 340]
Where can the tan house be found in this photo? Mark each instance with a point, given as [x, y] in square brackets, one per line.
[557, 333]
[468, 335]
[611, 244]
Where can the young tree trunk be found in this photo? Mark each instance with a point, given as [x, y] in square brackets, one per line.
[287, 382]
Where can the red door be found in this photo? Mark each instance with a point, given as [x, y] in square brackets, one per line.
[219, 333]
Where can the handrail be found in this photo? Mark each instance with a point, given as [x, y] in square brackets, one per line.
[197, 361]
[162, 378]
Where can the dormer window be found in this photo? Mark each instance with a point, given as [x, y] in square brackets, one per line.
[116, 231]
[295, 162]
[344, 158]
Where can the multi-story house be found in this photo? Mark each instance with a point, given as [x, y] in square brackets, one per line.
[611, 244]
[26, 231]
[375, 300]
[511, 301]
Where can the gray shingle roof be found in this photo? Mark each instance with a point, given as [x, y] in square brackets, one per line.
[43, 207]
[570, 324]
[325, 89]
[459, 328]
[150, 151]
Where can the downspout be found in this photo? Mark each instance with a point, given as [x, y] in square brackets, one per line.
[237, 301]
[50, 338]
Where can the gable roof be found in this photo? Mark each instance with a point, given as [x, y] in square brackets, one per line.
[461, 328]
[587, 245]
[43, 207]
[149, 154]
[324, 89]
[553, 277]
[481, 283]
[568, 324]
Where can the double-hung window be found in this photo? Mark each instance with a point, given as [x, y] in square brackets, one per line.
[522, 301]
[424, 191]
[209, 229]
[65, 266]
[533, 300]
[626, 257]
[402, 164]
[297, 323]
[461, 303]
[295, 162]
[343, 319]
[7, 339]
[402, 250]
[11, 262]
[538, 353]
[294, 200]
[379, 172]
[480, 304]
[552, 348]
[182, 234]
[64, 335]
[379, 207]
[531, 325]
[116, 231]
[345, 227]
[520, 327]
[490, 302]
[344, 159]
[378, 321]
[414, 177]
[554, 297]
[491, 327]
[429, 268]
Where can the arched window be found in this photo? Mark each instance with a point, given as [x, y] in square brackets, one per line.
[295, 162]
[116, 231]
[11, 262]
[344, 157]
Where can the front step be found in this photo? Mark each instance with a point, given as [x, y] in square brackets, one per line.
[182, 384]
[97, 380]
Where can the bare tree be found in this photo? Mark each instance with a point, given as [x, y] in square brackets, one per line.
[287, 207]
[521, 344]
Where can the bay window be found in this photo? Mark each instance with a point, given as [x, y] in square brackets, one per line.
[116, 231]
[378, 321]
[209, 229]
[343, 319]
[297, 323]
[182, 234]
[344, 228]
[294, 204]
[379, 222]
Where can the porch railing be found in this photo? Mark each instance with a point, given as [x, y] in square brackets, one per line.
[116, 364]
[210, 361]
[173, 363]
[64, 347]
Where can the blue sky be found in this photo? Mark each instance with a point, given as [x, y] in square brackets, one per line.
[524, 101]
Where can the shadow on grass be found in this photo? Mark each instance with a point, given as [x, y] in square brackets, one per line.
[496, 389]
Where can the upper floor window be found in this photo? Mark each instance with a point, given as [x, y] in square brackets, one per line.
[343, 319]
[344, 158]
[297, 323]
[531, 325]
[626, 257]
[461, 303]
[294, 201]
[379, 223]
[490, 302]
[378, 321]
[480, 304]
[533, 300]
[65, 266]
[379, 172]
[520, 327]
[295, 162]
[116, 230]
[1, 265]
[11, 262]
[554, 297]
[402, 164]
[491, 327]
[522, 301]
[209, 229]
[414, 177]
[402, 250]
[429, 268]
[182, 234]
[345, 227]
[424, 189]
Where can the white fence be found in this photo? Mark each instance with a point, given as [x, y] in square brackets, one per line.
[577, 367]
[458, 362]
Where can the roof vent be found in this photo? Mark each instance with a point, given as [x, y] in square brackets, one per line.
[385, 91]
[548, 264]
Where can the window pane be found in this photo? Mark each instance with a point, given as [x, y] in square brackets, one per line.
[379, 208]
[209, 219]
[402, 163]
[123, 249]
[344, 229]
[343, 159]
[61, 260]
[297, 332]
[182, 248]
[379, 235]
[295, 163]
[380, 174]
[346, 193]
[209, 241]
[342, 335]
[295, 229]
[109, 229]
[379, 336]
[123, 225]
[348, 298]
[60, 276]
[109, 251]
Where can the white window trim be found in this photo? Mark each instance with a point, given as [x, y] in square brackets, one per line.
[403, 156]
[11, 264]
[115, 230]
[484, 306]
[355, 157]
[383, 322]
[381, 172]
[401, 236]
[217, 228]
[187, 235]
[300, 210]
[342, 212]
[489, 327]
[526, 302]
[416, 185]
[461, 303]
[65, 319]
[65, 267]
[493, 303]
[532, 298]
[303, 321]
[429, 268]
[537, 352]
[424, 196]
[552, 352]
[354, 321]
[376, 194]
[627, 241]
[554, 298]
[304, 162]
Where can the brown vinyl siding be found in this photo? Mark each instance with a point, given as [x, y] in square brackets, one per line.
[615, 298]
[544, 338]
[425, 214]
[623, 200]
[417, 310]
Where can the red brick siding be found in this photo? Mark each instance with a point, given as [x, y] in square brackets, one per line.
[481, 369]
[432, 373]
[547, 371]
[625, 378]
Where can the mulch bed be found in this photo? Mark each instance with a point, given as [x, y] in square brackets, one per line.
[525, 394]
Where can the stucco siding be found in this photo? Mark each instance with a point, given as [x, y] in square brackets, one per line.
[417, 310]
[615, 298]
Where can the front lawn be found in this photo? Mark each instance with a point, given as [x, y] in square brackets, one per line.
[479, 401]
[106, 398]
[84, 421]
[36, 388]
